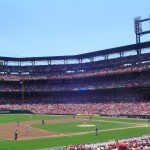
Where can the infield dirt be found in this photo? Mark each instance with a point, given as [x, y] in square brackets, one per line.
[7, 130]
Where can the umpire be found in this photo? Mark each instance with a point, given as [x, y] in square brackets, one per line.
[16, 134]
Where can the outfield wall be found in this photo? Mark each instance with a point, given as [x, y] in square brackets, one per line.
[15, 112]
[128, 116]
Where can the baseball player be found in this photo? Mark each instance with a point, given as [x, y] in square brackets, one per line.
[27, 128]
[84, 122]
[18, 123]
[96, 130]
[30, 118]
[16, 134]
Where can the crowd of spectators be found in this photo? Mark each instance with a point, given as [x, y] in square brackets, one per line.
[92, 83]
[127, 144]
[105, 102]
[64, 75]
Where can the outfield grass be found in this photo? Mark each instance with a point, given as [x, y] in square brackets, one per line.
[72, 127]
[14, 117]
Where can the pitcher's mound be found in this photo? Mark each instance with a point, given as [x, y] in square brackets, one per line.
[86, 125]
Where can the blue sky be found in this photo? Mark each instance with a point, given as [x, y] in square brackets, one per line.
[31, 28]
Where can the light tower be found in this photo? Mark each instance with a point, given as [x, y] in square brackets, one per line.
[138, 30]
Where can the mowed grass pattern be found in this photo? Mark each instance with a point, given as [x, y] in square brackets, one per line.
[72, 127]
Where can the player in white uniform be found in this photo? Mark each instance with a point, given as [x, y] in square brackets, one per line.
[27, 128]
[84, 122]
[30, 118]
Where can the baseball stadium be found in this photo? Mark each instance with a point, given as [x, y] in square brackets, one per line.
[82, 101]
[74, 75]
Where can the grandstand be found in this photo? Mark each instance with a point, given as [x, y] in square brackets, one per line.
[107, 82]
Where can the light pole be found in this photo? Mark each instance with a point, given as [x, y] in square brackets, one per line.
[22, 93]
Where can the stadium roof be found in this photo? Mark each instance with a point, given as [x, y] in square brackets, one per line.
[83, 56]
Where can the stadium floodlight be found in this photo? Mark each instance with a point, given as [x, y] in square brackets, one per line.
[138, 27]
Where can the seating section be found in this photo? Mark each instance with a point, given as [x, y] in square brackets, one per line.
[133, 144]
[105, 102]
[117, 86]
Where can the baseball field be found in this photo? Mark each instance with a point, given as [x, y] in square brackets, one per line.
[58, 131]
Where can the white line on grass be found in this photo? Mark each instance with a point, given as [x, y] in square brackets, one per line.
[3, 140]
